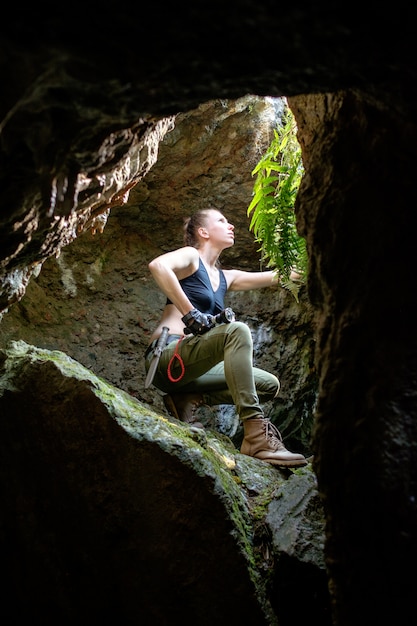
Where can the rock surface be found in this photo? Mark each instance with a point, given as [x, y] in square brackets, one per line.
[125, 515]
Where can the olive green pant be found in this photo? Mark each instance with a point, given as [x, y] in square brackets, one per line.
[219, 366]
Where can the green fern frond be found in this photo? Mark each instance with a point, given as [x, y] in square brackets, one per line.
[278, 176]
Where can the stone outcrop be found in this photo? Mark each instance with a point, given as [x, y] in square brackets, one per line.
[126, 515]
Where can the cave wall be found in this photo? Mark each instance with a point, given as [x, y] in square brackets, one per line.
[98, 303]
[358, 218]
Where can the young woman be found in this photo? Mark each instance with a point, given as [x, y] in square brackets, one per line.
[207, 363]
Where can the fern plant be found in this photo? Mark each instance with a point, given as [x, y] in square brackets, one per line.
[278, 175]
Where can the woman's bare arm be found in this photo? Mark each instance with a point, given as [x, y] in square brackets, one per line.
[239, 280]
[167, 269]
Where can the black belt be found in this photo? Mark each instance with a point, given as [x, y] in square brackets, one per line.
[152, 345]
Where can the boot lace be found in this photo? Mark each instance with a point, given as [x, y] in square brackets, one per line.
[273, 435]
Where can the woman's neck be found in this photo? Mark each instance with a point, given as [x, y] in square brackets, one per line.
[209, 256]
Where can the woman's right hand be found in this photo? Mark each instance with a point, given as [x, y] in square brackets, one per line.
[196, 322]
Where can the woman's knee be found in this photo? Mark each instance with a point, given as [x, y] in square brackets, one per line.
[273, 385]
[239, 331]
[277, 387]
[267, 385]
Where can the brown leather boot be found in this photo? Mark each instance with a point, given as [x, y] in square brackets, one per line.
[182, 406]
[263, 441]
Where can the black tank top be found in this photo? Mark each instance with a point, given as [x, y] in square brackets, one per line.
[199, 291]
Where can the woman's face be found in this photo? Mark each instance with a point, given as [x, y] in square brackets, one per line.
[220, 232]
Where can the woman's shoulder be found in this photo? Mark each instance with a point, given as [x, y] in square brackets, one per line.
[184, 261]
[229, 275]
[179, 258]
